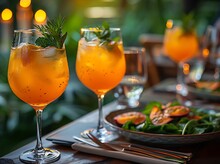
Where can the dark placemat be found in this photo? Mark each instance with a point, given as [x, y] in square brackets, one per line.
[65, 135]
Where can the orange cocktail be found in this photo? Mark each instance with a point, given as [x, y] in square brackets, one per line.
[98, 67]
[180, 46]
[38, 75]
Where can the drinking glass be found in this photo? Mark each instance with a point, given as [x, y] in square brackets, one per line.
[202, 74]
[37, 76]
[132, 85]
[180, 47]
[100, 67]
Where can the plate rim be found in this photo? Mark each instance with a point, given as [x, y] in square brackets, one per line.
[204, 93]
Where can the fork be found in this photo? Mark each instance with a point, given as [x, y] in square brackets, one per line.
[172, 153]
[136, 151]
[175, 154]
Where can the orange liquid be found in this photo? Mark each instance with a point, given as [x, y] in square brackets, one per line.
[100, 68]
[36, 78]
[178, 46]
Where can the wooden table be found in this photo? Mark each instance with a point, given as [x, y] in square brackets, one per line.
[203, 153]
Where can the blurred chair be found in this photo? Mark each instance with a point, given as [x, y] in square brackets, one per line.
[160, 66]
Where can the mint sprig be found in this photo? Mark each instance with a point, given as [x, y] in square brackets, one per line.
[52, 33]
[104, 34]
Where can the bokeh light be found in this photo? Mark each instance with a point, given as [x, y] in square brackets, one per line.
[169, 24]
[205, 52]
[186, 68]
[40, 16]
[25, 3]
[6, 14]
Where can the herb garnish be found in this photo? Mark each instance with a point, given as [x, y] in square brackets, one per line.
[105, 36]
[188, 24]
[52, 33]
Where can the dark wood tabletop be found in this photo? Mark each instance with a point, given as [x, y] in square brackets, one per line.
[203, 153]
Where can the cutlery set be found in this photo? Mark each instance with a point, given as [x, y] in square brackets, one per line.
[136, 149]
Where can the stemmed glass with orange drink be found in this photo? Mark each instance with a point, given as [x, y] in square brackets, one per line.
[37, 75]
[100, 66]
[181, 44]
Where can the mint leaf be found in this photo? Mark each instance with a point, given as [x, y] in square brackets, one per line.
[105, 36]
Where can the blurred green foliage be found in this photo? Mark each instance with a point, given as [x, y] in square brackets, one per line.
[17, 119]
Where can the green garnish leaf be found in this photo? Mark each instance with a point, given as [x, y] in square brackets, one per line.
[104, 35]
[52, 33]
[103, 32]
[188, 23]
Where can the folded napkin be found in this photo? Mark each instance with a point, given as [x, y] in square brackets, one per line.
[117, 154]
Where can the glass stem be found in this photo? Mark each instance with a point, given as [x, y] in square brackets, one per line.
[39, 150]
[100, 120]
[181, 89]
[180, 73]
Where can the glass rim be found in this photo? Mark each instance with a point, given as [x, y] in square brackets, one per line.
[26, 30]
[134, 49]
[85, 29]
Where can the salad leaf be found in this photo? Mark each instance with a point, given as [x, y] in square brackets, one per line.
[149, 107]
[129, 126]
[170, 128]
[174, 103]
[198, 121]
[189, 127]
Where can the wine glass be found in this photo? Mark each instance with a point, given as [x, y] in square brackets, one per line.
[100, 66]
[202, 78]
[180, 46]
[37, 76]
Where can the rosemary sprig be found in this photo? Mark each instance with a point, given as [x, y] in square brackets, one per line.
[52, 33]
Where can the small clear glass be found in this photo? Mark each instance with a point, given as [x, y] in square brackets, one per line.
[129, 91]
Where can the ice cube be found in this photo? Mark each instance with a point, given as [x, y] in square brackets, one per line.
[22, 44]
[94, 42]
[24, 51]
[49, 51]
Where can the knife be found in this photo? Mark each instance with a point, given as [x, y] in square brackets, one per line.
[62, 142]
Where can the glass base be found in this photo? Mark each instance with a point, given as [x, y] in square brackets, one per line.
[103, 134]
[83, 134]
[124, 103]
[49, 156]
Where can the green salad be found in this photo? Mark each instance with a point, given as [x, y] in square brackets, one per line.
[171, 118]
